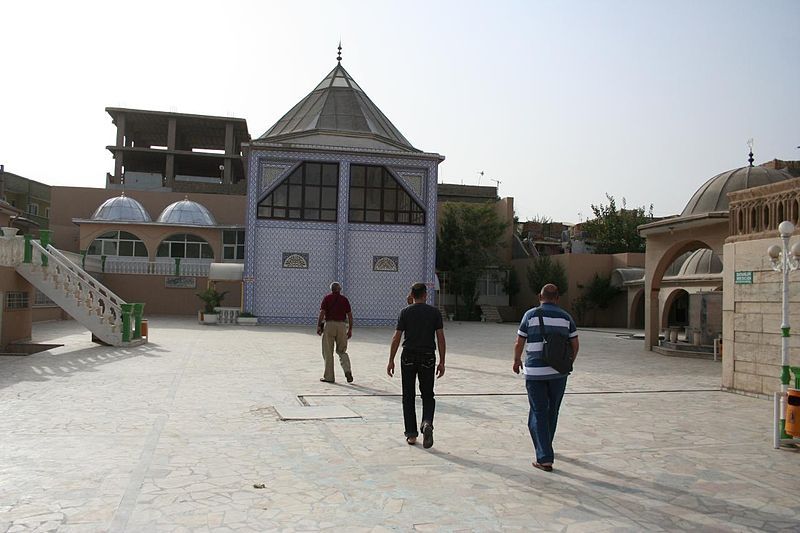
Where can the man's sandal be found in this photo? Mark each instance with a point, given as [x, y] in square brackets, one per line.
[411, 440]
[546, 468]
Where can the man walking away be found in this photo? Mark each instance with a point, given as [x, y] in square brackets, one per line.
[335, 324]
[545, 384]
[419, 322]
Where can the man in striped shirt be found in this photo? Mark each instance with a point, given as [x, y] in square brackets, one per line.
[544, 383]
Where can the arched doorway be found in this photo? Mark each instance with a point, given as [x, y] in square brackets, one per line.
[636, 311]
[675, 313]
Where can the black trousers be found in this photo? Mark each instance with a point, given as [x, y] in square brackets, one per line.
[411, 371]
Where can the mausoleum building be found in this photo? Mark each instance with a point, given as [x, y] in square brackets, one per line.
[337, 193]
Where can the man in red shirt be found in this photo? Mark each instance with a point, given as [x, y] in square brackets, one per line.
[335, 324]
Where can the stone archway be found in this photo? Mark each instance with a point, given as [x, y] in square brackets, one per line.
[671, 247]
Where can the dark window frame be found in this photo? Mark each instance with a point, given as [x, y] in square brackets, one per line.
[390, 192]
[305, 207]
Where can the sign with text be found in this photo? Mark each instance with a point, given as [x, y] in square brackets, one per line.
[180, 282]
[744, 277]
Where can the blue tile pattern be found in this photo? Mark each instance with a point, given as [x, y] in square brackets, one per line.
[336, 250]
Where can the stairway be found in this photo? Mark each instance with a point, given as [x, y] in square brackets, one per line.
[84, 298]
[490, 313]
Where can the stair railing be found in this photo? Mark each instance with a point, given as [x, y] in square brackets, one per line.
[77, 283]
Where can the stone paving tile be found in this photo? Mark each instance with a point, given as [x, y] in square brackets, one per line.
[174, 436]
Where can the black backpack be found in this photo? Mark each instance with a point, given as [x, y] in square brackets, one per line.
[556, 350]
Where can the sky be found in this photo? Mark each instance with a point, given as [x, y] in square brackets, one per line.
[561, 102]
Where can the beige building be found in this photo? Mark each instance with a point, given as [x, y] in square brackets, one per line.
[752, 292]
[703, 224]
[151, 246]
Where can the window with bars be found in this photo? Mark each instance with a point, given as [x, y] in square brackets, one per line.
[119, 243]
[308, 193]
[185, 245]
[377, 198]
[41, 300]
[233, 245]
[16, 300]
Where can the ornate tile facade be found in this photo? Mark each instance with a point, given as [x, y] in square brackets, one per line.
[337, 251]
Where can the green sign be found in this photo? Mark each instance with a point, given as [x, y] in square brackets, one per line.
[744, 278]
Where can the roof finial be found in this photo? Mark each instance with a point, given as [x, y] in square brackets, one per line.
[339, 54]
[750, 145]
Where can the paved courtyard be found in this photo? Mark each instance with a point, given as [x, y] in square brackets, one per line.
[176, 435]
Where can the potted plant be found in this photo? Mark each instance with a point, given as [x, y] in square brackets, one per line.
[211, 298]
[247, 319]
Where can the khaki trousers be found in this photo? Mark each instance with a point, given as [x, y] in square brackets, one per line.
[335, 332]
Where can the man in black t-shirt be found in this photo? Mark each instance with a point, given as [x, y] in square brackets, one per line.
[421, 323]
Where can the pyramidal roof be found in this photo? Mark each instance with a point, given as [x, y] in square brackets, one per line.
[338, 113]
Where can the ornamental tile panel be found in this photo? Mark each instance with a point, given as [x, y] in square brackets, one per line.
[414, 180]
[273, 172]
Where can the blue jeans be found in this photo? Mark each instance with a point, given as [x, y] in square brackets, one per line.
[544, 397]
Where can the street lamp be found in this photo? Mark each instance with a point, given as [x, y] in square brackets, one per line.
[783, 261]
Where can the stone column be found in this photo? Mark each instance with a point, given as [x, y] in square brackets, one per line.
[651, 324]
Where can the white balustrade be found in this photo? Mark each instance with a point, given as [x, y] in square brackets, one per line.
[12, 248]
[188, 267]
[227, 315]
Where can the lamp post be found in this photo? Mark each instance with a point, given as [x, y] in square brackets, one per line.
[783, 261]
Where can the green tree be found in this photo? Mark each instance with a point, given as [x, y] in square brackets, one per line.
[598, 294]
[614, 231]
[467, 244]
[543, 271]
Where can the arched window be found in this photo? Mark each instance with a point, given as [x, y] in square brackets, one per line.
[376, 197]
[740, 221]
[309, 193]
[185, 245]
[765, 218]
[780, 212]
[118, 243]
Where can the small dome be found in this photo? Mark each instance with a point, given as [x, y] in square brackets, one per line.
[622, 275]
[121, 208]
[187, 212]
[702, 261]
[713, 195]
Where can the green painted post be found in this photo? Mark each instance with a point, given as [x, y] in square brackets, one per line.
[127, 309]
[83, 258]
[44, 240]
[28, 258]
[796, 370]
[177, 266]
[138, 311]
[102, 263]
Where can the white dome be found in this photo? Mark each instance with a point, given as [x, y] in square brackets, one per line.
[187, 212]
[121, 208]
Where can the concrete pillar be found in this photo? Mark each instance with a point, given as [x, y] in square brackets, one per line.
[227, 176]
[120, 131]
[172, 133]
[118, 158]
